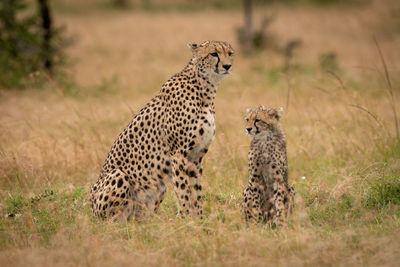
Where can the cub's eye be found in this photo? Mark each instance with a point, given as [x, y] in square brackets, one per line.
[246, 119]
[230, 53]
[256, 120]
[215, 54]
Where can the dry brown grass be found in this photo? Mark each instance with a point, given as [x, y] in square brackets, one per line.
[51, 139]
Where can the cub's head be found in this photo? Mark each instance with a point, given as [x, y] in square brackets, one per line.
[262, 119]
[214, 59]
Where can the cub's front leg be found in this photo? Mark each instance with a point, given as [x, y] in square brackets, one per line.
[280, 201]
[251, 205]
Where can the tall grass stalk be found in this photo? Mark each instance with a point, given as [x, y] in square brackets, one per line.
[389, 88]
[375, 117]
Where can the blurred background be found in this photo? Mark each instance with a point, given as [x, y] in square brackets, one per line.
[74, 72]
[94, 41]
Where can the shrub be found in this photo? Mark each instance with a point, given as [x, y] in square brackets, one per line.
[383, 192]
[328, 61]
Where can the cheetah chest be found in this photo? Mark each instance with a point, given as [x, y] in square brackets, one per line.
[205, 135]
[208, 125]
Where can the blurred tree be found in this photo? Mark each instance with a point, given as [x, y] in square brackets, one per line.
[121, 3]
[251, 38]
[28, 42]
[130, 3]
[289, 51]
[248, 23]
[245, 34]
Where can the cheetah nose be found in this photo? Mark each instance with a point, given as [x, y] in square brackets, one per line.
[227, 66]
[248, 130]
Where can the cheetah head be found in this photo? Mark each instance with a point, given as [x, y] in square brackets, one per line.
[213, 59]
[262, 119]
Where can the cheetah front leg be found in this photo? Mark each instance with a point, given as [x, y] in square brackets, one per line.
[251, 205]
[290, 199]
[279, 201]
[185, 172]
[195, 180]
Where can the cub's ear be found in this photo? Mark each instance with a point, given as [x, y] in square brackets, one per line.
[280, 112]
[192, 46]
[248, 110]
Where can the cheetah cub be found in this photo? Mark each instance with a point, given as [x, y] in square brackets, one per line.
[268, 198]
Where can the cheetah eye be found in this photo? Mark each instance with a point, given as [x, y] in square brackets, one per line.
[230, 53]
[215, 54]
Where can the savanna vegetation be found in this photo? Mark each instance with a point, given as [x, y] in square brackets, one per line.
[340, 90]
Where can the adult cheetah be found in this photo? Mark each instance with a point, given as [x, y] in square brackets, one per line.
[166, 141]
[268, 197]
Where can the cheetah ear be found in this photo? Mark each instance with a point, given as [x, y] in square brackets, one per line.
[248, 110]
[192, 46]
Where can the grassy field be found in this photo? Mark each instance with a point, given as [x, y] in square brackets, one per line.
[343, 143]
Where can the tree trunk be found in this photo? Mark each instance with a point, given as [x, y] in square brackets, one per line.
[47, 34]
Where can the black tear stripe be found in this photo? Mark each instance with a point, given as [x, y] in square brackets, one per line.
[216, 66]
[256, 127]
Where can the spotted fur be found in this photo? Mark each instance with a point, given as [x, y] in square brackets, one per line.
[165, 142]
[268, 197]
